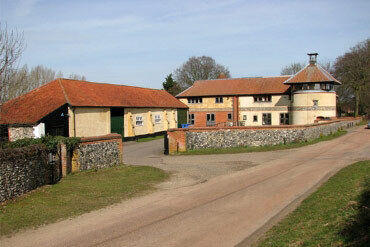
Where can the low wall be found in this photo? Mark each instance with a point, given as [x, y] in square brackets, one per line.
[93, 153]
[20, 132]
[180, 140]
[25, 169]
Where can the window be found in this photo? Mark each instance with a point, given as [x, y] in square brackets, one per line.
[266, 119]
[157, 119]
[229, 116]
[326, 86]
[191, 119]
[255, 118]
[284, 118]
[195, 100]
[139, 121]
[262, 98]
[219, 100]
[315, 102]
[244, 117]
[210, 119]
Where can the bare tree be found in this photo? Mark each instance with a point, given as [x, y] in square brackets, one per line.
[353, 70]
[77, 77]
[198, 68]
[292, 69]
[23, 80]
[11, 48]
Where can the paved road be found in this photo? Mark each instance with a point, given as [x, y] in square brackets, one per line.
[224, 211]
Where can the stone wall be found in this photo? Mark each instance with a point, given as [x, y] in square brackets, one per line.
[181, 140]
[16, 133]
[94, 153]
[25, 169]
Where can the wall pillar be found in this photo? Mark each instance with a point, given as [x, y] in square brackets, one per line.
[63, 159]
[236, 109]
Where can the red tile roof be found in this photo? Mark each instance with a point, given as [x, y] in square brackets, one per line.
[312, 73]
[33, 106]
[238, 86]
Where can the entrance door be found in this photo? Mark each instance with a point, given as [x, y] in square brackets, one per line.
[116, 121]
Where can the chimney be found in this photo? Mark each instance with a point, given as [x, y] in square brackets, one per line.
[221, 76]
[313, 58]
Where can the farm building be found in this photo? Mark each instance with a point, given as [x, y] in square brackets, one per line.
[81, 109]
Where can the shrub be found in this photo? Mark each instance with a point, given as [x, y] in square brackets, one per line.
[50, 142]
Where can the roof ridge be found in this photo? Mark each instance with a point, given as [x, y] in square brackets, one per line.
[108, 83]
[296, 73]
[64, 91]
[238, 78]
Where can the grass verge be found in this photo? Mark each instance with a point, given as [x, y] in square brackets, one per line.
[248, 149]
[150, 138]
[76, 194]
[337, 214]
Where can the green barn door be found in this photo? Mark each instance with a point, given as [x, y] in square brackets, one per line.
[182, 117]
[116, 121]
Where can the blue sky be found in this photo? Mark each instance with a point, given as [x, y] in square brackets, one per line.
[140, 42]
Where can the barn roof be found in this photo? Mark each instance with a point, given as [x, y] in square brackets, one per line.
[237, 86]
[36, 104]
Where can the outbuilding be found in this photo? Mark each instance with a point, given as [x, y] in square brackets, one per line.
[75, 108]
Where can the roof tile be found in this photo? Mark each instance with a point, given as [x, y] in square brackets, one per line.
[33, 106]
[312, 73]
[237, 86]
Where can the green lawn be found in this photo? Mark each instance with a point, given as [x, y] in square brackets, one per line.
[262, 148]
[337, 214]
[150, 138]
[76, 194]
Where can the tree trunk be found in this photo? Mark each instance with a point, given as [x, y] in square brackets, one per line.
[357, 99]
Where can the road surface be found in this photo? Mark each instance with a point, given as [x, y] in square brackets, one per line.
[224, 210]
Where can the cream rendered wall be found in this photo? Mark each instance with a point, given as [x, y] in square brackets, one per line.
[247, 106]
[168, 120]
[304, 111]
[209, 103]
[89, 121]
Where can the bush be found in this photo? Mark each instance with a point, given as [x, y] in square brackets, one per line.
[50, 142]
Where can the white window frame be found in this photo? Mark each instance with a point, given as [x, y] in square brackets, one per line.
[157, 119]
[139, 121]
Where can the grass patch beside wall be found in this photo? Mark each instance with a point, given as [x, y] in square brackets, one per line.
[248, 149]
[337, 214]
[76, 194]
[150, 138]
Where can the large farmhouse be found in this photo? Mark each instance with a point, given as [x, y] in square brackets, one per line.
[299, 99]
[81, 109]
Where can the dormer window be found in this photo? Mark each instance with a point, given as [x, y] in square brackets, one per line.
[326, 86]
[219, 100]
[262, 98]
[195, 100]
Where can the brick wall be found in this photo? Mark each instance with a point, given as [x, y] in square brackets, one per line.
[181, 140]
[201, 117]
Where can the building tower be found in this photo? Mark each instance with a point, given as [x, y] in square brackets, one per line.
[313, 95]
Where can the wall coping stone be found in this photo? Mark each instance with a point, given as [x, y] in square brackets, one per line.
[100, 138]
[264, 127]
